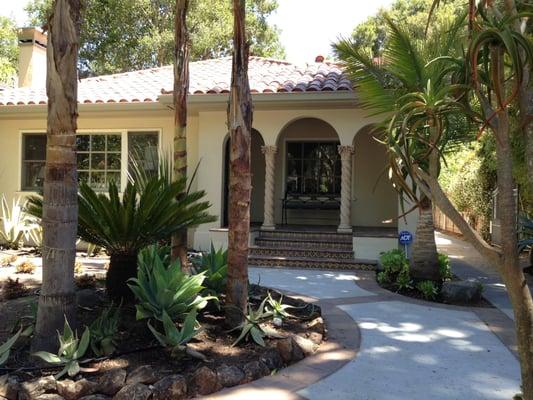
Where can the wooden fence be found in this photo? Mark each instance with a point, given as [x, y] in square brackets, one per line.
[442, 222]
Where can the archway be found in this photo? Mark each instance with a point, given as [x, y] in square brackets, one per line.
[258, 174]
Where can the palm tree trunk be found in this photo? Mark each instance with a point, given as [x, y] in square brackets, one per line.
[57, 300]
[181, 88]
[240, 125]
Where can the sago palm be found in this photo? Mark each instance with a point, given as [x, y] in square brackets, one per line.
[416, 99]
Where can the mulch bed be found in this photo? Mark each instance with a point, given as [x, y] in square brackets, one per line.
[137, 346]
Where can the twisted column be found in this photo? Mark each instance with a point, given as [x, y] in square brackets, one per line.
[270, 159]
[346, 188]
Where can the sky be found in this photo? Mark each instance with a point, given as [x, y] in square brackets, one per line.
[307, 26]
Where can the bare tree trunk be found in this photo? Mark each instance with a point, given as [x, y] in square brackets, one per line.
[181, 88]
[57, 300]
[240, 127]
[424, 263]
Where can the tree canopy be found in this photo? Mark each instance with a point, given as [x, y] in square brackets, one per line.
[124, 35]
[8, 51]
[371, 34]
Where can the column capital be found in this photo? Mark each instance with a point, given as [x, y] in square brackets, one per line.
[269, 149]
[345, 150]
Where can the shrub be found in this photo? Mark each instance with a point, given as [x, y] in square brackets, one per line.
[7, 259]
[25, 267]
[71, 349]
[215, 266]
[124, 224]
[161, 288]
[445, 269]
[403, 279]
[78, 267]
[395, 270]
[13, 289]
[382, 278]
[15, 224]
[104, 330]
[428, 289]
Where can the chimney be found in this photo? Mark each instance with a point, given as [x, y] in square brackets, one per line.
[32, 58]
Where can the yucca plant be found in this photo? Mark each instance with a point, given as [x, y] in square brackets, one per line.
[5, 348]
[104, 330]
[71, 350]
[123, 225]
[15, 225]
[215, 266]
[162, 288]
[176, 340]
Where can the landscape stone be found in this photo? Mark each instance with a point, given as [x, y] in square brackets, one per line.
[255, 370]
[289, 350]
[307, 346]
[112, 381]
[73, 390]
[204, 381]
[95, 397]
[461, 291]
[34, 388]
[144, 374]
[272, 359]
[172, 387]
[317, 325]
[136, 391]
[49, 396]
[230, 375]
[9, 387]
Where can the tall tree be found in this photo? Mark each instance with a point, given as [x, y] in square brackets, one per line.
[181, 88]
[405, 82]
[240, 185]
[125, 35]
[8, 51]
[496, 58]
[57, 299]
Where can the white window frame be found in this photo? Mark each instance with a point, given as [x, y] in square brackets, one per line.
[92, 131]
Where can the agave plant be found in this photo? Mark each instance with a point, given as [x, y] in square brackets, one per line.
[215, 266]
[123, 225]
[71, 350]
[176, 340]
[5, 348]
[164, 289]
[104, 331]
[16, 224]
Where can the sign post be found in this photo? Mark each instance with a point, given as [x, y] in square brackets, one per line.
[405, 238]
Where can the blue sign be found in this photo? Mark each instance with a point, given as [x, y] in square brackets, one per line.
[405, 237]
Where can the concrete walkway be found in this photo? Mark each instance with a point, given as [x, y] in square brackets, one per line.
[467, 263]
[385, 346]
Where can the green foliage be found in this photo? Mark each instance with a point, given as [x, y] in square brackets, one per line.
[8, 51]
[215, 267]
[104, 330]
[5, 348]
[173, 338]
[395, 270]
[124, 224]
[71, 349]
[278, 309]
[162, 288]
[428, 289]
[383, 278]
[125, 35]
[445, 269]
[254, 327]
[403, 279]
[15, 225]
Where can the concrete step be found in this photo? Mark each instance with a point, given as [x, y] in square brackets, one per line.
[326, 236]
[303, 262]
[302, 252]
[303, 244]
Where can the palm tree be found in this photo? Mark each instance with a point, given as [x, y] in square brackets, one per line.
[181, 87]
[240, 126]
[57, 300]
[414, 98]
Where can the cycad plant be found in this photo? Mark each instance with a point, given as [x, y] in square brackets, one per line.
[125, 223]
[421, 108]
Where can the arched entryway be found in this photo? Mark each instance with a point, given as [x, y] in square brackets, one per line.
[308, 167]
[258, 174]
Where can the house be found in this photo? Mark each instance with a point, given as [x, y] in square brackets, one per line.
[318, 174]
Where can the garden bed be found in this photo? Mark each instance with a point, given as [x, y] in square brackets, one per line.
[141, 367]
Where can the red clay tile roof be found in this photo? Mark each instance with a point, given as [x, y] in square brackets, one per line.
[207, 77]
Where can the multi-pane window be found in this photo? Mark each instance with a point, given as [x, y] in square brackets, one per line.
[33, 159]
[99, 159]
[99, 155]
[313, 168]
